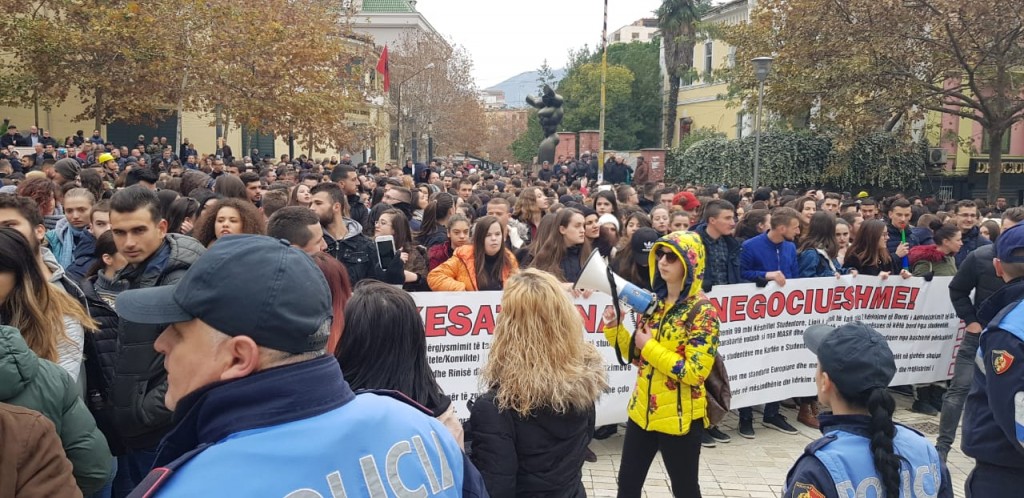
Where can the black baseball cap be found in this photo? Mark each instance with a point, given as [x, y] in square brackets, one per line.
[250, 285]
[855, 356]
[641, 243]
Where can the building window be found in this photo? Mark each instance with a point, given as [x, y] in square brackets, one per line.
[650, 36]
[739, 124]
[984, 142]
[707, 61]
[636, 36]
[617, 37]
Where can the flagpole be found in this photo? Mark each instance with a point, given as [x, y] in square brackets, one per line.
[604, 78]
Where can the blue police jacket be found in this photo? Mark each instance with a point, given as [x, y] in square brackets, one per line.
[993, 427]
[299, 431]
[839, 465]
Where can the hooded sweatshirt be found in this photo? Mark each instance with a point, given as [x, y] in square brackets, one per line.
[69, 350]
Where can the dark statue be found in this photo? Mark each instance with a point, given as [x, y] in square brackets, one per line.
[550, 114]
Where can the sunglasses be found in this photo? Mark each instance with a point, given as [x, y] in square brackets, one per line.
[669, 255]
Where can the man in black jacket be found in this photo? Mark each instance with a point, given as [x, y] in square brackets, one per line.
[346, 242]
[978, 274]
[155, 258]
[722, 255]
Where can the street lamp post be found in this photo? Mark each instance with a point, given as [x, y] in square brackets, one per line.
[762, 66]
[430, 141]
[399, 125]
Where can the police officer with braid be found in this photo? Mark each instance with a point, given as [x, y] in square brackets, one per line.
[862, 452]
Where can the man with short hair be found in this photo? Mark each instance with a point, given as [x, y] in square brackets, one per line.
[465, 189]
[155, 258]
[244, 386]
[300, 227]
[252, 186]
[901, 236]
[71, 242]
[994, 414]
[722, 267]
[666, 195]
[346, 176]
[96, 139]
[272, 201]
[500, 208]
[770, 256]
[967, 220]
[868, 209]
[12, 137]
[976, 276]
[831, 203]
[346, 242]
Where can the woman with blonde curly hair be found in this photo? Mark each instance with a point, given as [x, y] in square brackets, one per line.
[543, 380]
[229, 217]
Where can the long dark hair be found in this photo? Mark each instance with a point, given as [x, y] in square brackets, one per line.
[549, 249]
[435, 213]
[400, 226]
[383, 345]
[485, 279]
[881, 406]
[609, 196]
[866, 248]
[821, 234]
[229, 186]
[105, 246]
[179, 210]
[747, 226]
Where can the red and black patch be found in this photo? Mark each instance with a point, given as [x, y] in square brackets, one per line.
[802, 490]
[1002, 360]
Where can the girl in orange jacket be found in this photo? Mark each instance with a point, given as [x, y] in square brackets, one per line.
[467, 271]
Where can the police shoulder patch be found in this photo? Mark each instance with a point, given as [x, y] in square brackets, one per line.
[803, 490]
[1002, 360]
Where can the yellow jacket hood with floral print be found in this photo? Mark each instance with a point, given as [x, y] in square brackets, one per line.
[689, 247]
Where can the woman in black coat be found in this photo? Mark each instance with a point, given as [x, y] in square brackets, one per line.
[531, 429]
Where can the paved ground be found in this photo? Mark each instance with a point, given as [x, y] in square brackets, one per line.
[750, 468]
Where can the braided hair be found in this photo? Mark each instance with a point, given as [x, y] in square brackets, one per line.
[881, 406]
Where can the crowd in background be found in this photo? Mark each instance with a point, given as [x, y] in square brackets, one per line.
[85, 220]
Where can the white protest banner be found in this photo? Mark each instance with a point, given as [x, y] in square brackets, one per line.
[761, 335]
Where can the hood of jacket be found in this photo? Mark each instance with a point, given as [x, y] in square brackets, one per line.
[50, 260]
[929, 252]
[689, 248]
[1000, 299]
[18, 364]
[354, 228]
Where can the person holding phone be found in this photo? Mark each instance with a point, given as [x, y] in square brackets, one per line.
[346, 242]
[393, 231]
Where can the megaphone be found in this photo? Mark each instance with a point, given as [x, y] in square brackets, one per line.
[596, 276]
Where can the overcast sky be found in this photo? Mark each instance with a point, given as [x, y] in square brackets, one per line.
[506, 38]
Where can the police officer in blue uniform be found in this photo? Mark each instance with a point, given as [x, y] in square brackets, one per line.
[862, 452]
[993, 426]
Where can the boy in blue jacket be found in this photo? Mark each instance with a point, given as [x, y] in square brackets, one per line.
[770, 256]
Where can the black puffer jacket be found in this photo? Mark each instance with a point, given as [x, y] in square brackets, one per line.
[540, 456]
[100, 359]
[140, 381]
[972, 240]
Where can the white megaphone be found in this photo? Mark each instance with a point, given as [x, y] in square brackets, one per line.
[596, 276]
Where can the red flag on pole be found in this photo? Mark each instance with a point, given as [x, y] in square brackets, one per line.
[383, 68]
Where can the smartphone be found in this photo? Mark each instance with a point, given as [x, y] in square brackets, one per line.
[385, 249]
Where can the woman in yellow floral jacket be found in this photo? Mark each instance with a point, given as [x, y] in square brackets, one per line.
[673, 353]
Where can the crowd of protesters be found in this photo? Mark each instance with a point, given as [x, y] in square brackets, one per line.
[87, 229]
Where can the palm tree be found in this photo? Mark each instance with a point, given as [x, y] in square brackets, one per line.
[677, 20]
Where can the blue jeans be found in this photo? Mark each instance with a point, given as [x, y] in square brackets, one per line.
[956, 395]
[132, 468]
[770, 411]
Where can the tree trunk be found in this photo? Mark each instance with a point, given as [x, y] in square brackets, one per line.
[670, 113]
[995, 162]
[181, 109]
[98, 108]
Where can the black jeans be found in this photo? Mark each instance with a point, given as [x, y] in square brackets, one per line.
[681, 455]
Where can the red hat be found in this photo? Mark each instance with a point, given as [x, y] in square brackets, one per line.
[686, 200]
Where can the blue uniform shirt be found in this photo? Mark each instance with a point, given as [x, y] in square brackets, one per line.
[839, 465]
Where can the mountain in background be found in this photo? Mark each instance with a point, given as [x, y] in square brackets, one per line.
[519, 86]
